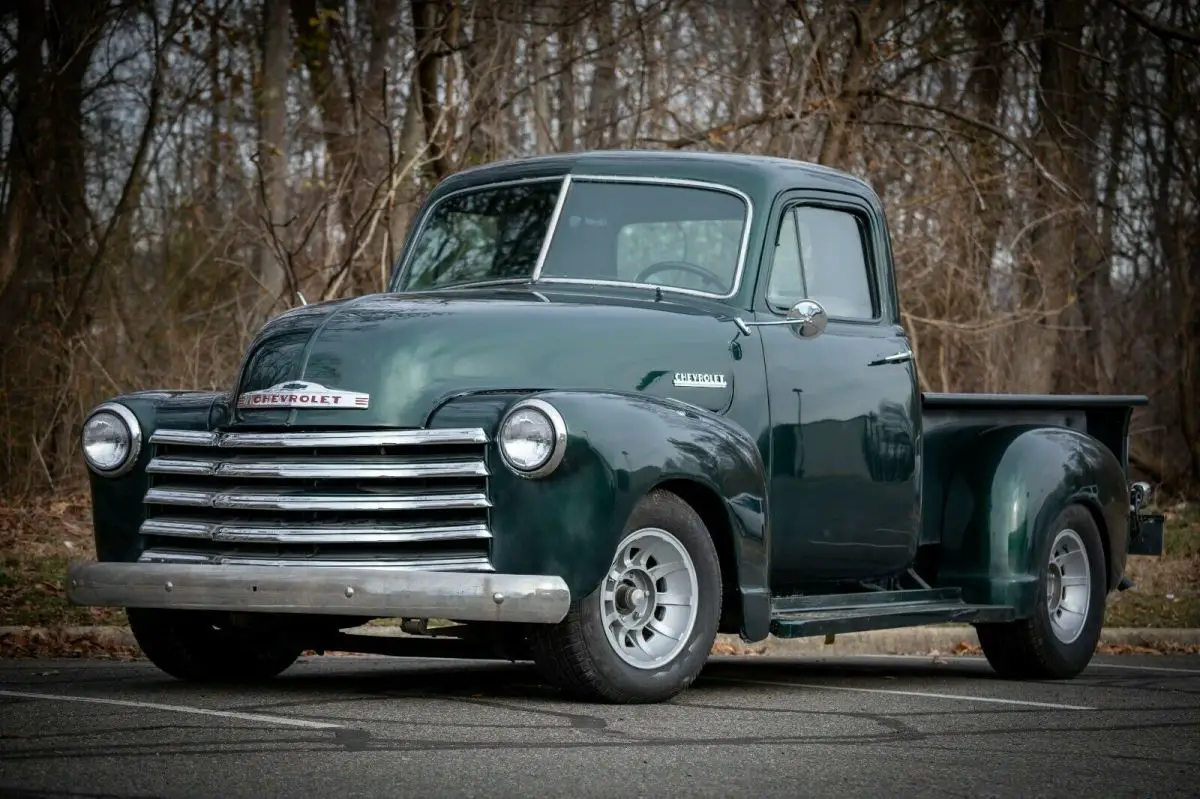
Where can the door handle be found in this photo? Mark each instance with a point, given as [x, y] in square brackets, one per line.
[899, 357]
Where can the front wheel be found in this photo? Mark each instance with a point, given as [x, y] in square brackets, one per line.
[646, 631]
[193, 646]
[1057, 641]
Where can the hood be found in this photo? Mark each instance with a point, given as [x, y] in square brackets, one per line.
[400, 355]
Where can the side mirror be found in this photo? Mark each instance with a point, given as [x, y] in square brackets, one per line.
[809, 318]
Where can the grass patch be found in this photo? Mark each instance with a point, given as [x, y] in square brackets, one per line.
[32, 593]
[1166, 591]
[37, 541]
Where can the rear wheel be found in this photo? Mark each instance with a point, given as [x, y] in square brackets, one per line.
[194, 646]
[1057, 641]
[646, 631]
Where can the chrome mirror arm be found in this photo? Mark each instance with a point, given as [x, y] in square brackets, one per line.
[808, 314]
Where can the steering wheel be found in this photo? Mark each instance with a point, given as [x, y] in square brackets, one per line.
[682, 266]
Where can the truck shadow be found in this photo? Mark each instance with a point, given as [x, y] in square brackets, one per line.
[345, 678]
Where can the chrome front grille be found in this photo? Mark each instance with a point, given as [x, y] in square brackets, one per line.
[404, 499]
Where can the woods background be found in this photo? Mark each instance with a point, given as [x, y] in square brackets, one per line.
[175, 170]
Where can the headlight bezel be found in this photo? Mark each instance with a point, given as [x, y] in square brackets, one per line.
[125, 417]
[558, 427]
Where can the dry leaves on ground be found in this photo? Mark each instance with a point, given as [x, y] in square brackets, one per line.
[43, 643]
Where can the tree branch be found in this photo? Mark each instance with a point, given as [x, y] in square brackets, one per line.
[1157, 28]
[977, 123]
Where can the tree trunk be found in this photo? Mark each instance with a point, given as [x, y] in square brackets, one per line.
[427, 35]
[602, 98]
[24, 162]
[1046, 285]
[272, 149]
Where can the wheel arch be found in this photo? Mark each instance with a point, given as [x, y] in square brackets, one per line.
[708, 505]
[1012, 481]
[1096, 511]
[619, 447]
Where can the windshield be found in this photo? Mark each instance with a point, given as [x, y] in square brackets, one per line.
[674, 236]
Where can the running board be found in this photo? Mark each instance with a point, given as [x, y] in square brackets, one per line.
[800, 616]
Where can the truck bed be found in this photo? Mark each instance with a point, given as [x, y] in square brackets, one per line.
[947, 417]
[1106, 417]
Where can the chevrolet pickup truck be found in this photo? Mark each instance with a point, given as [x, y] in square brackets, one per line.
[611, 405]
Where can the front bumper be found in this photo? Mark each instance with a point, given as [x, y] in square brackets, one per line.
[343, 591]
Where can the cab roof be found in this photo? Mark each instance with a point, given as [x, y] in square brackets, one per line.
[760, 176]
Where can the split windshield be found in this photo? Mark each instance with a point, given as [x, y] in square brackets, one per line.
[677, 236]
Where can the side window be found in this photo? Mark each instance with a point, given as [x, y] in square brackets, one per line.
[786, 285]
[821, 255]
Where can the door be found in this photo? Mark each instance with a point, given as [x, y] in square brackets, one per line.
[844, 406]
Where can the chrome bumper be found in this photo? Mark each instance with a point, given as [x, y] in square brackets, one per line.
[345, 591]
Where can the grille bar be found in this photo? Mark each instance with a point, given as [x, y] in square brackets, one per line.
[323, 438]
[441, 562]
[395, 499]
[319, 469]
[297, 499]
[300, 533]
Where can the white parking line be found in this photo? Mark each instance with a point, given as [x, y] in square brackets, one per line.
[918, 694]
[1132, 667]
[973, 659]
[198, 711]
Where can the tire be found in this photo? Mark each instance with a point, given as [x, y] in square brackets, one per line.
[1050, 645]
[579, 656]
[188, 646]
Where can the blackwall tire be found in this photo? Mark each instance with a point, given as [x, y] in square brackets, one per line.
[644, 634]
[188, 646]
[1058, 640]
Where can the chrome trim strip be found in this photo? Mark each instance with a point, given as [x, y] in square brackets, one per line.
[372, 592]
[335, 533]
[402, 270]
[440, 562]
[192, 466]
[325, 438]
[559, 202]
[739, 269]
[130, 421]
[199, 438]
[301, 500]
[178, 528]
[317, 470]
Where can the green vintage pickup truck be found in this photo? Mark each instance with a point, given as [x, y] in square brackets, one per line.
[612, 404]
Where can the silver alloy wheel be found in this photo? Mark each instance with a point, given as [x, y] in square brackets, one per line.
[1068, 586]
[648, 602]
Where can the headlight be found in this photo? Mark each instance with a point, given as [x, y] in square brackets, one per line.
[533, 438]
[111, 440]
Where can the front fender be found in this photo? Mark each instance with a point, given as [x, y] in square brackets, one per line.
[117, 508]
[619, 447]
[1008, 485]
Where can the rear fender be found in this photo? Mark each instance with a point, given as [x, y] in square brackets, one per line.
[619, 447]
[1007, 485]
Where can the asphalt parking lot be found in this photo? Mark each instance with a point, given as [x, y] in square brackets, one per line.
[750, 727]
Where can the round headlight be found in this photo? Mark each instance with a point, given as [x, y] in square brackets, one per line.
[533, 438]
[111, 440]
